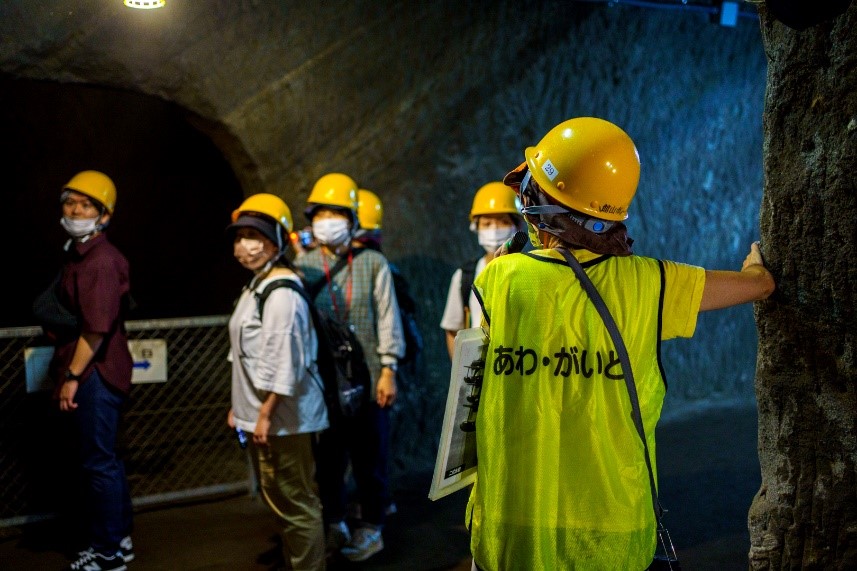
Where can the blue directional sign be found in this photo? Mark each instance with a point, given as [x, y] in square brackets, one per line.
[150, 360]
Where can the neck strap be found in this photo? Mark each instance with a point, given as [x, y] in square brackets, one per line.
[315, 288]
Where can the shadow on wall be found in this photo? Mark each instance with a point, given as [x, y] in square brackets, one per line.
[175, 195]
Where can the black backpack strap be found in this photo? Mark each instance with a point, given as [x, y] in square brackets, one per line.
[262, 296]
[297, 288]
[315, 288]
[468, 274]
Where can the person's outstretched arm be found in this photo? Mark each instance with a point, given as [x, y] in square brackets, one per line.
[724, 288]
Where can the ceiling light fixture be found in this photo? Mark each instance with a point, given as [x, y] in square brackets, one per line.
[145, 4]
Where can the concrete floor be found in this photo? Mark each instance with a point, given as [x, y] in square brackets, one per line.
[709, 472]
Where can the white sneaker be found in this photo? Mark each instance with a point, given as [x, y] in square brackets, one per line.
[365, 543]
[127, 547]
[90, 560]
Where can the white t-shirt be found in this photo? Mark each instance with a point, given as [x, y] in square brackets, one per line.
[275, 356]
[453, 313]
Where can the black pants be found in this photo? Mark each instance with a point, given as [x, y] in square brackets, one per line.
[364, 440]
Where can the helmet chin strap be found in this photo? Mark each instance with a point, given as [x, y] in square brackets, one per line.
[545, 228]
[266, 268]
[98, 227]
[261, 273]
[574, 228]
[346, 245]
[591, 223]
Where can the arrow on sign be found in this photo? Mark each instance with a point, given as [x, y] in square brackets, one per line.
[142, 364]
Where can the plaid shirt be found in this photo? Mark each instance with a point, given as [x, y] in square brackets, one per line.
[373, 312]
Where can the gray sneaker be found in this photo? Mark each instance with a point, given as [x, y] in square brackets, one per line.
[365, 543]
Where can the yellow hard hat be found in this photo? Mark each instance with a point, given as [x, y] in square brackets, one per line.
[589, 165]
[495, 198]
[96, 185]
[370, 211]
[333, 189]
[270, 205]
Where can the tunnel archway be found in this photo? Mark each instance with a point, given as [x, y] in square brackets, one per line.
[175, 194]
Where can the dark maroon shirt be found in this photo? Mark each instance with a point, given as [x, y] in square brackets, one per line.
[95, 286]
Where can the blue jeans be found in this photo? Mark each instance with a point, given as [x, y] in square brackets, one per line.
[109, 500]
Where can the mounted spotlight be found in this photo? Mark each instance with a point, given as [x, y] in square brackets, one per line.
[728, 14]
[145, 4]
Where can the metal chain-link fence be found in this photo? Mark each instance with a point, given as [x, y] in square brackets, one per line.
[173, 439]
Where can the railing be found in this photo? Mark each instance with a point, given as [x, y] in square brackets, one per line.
[173, 437]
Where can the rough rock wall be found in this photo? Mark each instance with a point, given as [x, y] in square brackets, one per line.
[805, 514]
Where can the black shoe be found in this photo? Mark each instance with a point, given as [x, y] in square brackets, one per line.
[93, 561]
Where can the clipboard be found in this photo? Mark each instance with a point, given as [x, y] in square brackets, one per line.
[455, 466]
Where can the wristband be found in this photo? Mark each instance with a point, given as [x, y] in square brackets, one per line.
[69, 376]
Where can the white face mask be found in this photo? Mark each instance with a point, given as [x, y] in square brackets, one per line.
[493, 238]
[331, 231]
[79, 227]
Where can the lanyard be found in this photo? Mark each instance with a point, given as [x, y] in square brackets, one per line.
[348, 286]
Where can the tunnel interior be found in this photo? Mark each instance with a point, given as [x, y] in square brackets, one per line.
[175, 193]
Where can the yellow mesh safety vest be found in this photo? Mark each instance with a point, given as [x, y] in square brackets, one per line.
[561, 480]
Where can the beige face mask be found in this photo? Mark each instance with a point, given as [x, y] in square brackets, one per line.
[248, 250]
[250, 246]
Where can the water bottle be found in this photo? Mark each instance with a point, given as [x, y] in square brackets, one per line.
[242, 437]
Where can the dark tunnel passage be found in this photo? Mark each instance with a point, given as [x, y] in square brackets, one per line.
[175, 194]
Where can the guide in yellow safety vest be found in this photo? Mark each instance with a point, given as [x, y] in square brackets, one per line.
[562, 478]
